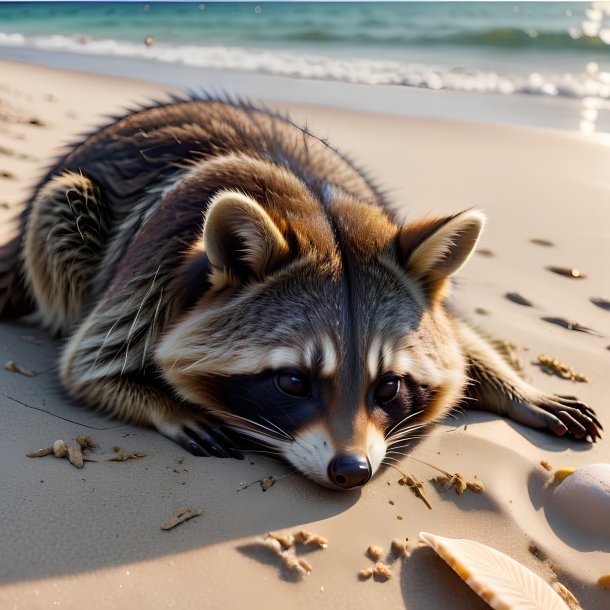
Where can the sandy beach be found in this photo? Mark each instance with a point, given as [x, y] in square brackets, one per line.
[92, 536]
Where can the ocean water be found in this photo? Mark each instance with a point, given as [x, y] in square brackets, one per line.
[552, 49]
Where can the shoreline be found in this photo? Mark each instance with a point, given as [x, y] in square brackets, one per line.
[561, 113]
[95, 533]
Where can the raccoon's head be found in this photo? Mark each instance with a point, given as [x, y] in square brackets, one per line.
[323, 335]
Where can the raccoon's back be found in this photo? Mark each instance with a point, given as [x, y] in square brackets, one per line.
[140, 153]
[148, 146]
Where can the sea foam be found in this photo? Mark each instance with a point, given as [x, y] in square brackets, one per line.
[591, 82]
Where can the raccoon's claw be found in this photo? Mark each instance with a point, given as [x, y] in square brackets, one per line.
[203, 440]
[560, 414]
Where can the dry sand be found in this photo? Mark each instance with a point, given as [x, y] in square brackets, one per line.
[92, 537]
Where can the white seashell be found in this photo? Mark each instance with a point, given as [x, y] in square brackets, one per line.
[502, 582]
[584, 499]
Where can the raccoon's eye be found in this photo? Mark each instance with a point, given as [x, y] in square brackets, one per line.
[293, 383]
[387, 389]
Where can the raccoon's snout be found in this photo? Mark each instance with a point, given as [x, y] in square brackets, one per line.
[349, 470]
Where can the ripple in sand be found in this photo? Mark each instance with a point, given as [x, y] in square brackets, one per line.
[515, 297]
[602, 302]
[568, 272]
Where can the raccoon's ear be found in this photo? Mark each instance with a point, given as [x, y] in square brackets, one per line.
[434, 249]
[240, 237]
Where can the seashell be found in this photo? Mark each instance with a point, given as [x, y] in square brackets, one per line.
[502, 582]
[602, 302]
[568, 272]
[583, 498]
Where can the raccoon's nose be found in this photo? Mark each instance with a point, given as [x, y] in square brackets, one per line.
[348, 470]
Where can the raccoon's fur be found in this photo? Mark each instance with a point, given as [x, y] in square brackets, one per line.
[222, 274]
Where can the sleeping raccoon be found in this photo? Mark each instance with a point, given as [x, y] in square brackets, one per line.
[221, 274]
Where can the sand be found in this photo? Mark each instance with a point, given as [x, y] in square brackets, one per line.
[92, 536]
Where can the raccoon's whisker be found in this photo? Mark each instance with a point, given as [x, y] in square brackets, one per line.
[404, 431]
[101, 347]
[151, 328]
[127, 342]
[250, 422]
[283, 432]
[400, 423]
[406, 441]
[401, 434]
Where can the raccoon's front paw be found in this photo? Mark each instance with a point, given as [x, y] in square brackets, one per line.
[560, 414]
[201, 438]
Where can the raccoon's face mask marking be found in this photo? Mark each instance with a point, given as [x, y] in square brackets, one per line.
[332, 360]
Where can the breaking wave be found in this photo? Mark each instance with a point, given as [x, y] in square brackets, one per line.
[589, 83]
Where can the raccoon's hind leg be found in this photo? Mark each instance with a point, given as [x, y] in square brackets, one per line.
[496, 387]
[64, 242]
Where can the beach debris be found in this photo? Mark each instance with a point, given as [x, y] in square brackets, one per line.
[567, 595]
[307, 538]
[60, 449]
[571, 325]
[562, 473]
[375, 552]
[286, 540]
[602, 302]
[571, 272]
[13, 367]
[399, 547]
[416, 486]
[502, 582]
[296, 564]
[485, 252]
[365, 573]
[542, 242]
[283, 545]
[75, 455]
[583, 499]
[458, 480]
[118, 455]
[481, 311]
[515, 297]
[553, 366]
[182, 515]
[265, 483]
[603, 582]
[77, 452]
[546, 465]
[40, 452]
[8, 175]
[86, 443]
[382, 572]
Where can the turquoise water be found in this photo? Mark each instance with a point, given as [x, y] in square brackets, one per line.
[548, 49]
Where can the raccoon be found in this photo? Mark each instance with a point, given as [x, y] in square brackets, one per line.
[226, 277]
